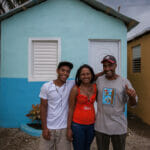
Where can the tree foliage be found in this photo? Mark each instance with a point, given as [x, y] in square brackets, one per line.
[6, 5]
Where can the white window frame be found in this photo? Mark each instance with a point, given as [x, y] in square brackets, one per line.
[30, 49]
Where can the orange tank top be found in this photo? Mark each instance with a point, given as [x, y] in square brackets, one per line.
[84, 112]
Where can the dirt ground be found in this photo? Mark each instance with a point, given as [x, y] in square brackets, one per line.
[138, 137]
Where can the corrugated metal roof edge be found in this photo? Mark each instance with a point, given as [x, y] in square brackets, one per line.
[129, 22]
[143, 32]
[22, 7]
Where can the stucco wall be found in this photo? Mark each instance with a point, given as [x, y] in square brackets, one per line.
[71, 20]
[140, 80]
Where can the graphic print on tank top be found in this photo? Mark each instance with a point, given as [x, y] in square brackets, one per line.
[109, 96]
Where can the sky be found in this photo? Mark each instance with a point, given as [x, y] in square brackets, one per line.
[136, 9]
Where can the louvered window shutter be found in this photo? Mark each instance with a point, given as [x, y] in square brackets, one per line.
[136, 59]
[44, 60]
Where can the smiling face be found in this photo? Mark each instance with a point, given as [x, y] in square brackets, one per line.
[63, 73]
[85, 76]
[109, 69]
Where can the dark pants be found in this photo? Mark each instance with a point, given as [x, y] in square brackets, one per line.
[83, 136]
[103, 141]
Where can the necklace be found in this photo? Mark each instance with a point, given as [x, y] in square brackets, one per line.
[60, 93]
[87, 91]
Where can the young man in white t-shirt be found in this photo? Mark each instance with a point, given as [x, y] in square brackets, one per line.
[54, 110]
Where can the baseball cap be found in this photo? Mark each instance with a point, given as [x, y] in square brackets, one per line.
[110, 59]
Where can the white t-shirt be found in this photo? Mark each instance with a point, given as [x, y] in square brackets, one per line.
[57, 103]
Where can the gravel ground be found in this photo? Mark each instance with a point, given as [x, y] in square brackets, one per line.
[138, 137]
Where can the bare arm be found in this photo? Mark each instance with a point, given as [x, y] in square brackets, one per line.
[43, 113]
[72, 103]
[99, 74]
[132, 96]
[132, 101]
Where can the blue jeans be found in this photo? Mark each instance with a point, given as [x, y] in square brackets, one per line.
[83, 136]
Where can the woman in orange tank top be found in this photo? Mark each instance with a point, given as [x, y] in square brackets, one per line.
[81, 116]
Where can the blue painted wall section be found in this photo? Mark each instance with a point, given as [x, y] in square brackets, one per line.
[71, 20]
[17, 97]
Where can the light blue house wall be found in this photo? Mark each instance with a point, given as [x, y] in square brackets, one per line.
[71, 20]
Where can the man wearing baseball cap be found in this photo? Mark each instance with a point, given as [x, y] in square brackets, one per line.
[113, 93]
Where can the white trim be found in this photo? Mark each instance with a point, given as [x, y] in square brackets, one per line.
[119, 64]
[30, 48]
